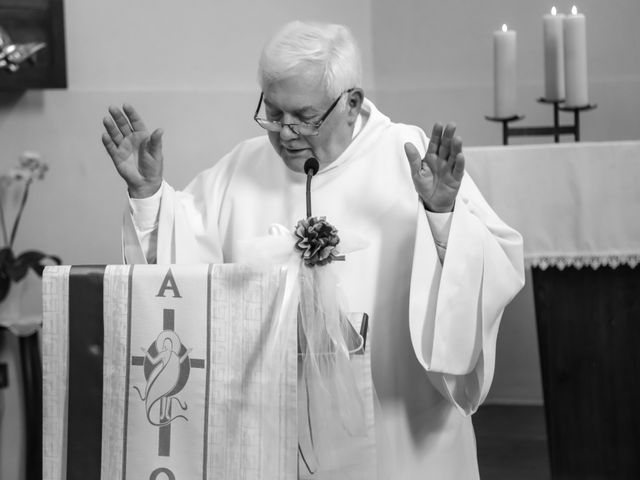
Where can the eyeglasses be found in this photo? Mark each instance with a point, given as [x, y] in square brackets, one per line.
[302, 128]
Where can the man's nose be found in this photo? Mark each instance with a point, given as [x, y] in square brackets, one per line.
[287, 134]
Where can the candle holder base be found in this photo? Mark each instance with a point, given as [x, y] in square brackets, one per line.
[550, 100]
[584, 108]
[505, 124]
[512, 118]
[555, 130]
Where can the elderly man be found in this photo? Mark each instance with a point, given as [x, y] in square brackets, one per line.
[439, 267]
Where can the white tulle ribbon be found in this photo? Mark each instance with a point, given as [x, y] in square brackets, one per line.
[326, 338]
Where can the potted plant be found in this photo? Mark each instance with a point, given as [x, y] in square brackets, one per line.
[15, 184]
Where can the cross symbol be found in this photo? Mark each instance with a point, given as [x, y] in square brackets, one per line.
[164, 432]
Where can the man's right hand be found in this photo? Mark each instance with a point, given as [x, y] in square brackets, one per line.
[136, 154]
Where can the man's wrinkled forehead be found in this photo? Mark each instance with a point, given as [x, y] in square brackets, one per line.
[305, 109]
[303, 94]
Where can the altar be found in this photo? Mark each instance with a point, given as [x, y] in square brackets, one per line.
[578, 208]
[196, 371]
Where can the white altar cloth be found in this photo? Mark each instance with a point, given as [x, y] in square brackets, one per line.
[575, 204]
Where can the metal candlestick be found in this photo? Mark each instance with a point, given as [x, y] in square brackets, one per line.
[556, 129]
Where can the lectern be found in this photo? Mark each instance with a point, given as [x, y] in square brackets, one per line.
[166, 372]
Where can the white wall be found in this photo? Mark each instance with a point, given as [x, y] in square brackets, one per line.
[190, 67]
[439, 65]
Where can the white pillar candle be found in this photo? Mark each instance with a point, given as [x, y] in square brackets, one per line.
[553, 56]
[504, 72]
[575, 59]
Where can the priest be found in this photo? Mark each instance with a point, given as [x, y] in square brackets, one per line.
[438, 266]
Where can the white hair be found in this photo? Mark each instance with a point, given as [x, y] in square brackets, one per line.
[309, 48]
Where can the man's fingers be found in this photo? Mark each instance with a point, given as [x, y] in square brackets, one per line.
[135, 119]
[126, 171]
[155, 143]
[112, 150]
[414, 158]
[449, 130]
[434, 140]
[456, 148]
[121, 121]
[436, 131]
[445, 147]
[114, 132]
[445, 143]
[458, 167]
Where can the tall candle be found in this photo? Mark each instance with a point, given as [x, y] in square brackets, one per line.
[504, 72]
[553, 56]
[575, 59]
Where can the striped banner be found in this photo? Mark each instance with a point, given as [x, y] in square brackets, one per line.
[173, 372]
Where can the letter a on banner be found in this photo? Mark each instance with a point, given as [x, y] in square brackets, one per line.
[169, 283]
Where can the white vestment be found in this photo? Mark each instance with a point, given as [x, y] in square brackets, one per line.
[434, 324]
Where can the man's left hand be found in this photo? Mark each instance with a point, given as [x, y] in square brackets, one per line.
[438, 175]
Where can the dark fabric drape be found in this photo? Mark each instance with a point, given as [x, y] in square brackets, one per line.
[589, 337]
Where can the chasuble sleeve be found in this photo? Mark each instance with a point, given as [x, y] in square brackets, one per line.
[140, 229]
[185, 231]
[440, 225]
[456, 306]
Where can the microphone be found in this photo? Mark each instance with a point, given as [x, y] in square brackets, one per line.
[311, 167]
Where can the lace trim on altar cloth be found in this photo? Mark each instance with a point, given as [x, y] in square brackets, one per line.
[593, 261]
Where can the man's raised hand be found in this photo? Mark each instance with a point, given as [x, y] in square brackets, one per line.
[136, 154]
[438, 175]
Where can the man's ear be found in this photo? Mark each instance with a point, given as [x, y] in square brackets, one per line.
[354, 103]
